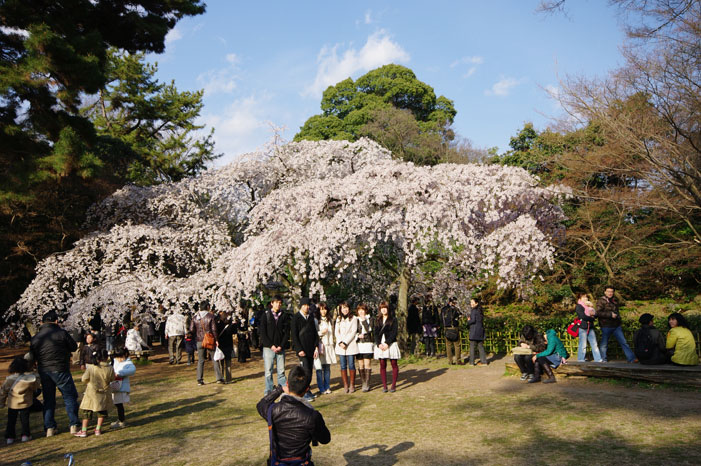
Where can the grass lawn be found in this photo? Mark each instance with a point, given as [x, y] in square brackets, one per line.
[440, 415]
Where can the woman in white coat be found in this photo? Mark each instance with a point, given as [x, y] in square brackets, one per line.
[327, 354]
[346, 345]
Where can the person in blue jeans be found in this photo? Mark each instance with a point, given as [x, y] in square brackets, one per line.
[610, 322]
[51, 348]
[275, 335]
[586, 312]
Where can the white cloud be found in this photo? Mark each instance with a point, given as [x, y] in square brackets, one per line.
[473, 63]
[368, 17]
[378, 50]
[503, 87]
[221, 80]
[476, 60]
[241, 127]
[173, 35]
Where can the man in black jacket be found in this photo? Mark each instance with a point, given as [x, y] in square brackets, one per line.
[305, 339]
[51, 348]
[450, 318]
[274, 335]
[295, 423]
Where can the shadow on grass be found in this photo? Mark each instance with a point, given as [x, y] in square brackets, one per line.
[384, 456]
[172, 409]
[410, 377]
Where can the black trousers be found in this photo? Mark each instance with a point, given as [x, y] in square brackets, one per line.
[12, 415]
[525, 363]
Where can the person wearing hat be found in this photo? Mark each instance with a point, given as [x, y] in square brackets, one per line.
[648, 342]
[305, 339]
[450, 318]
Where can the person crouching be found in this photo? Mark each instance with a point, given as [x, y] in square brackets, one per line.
[292, 422]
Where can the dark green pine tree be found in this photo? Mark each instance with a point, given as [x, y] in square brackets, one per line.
[152, 121]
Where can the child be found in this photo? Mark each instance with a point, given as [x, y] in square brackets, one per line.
[88, 351]
[190, 347]
[123, 368]
[96, 398]
[19, 390]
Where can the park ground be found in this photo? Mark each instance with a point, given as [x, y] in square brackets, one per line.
[440, 415]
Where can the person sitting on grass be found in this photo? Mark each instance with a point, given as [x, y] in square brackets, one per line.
[680, 342]
[554, 355]
[292, 422]
[18, 391]
[96, 398]
[649, 343]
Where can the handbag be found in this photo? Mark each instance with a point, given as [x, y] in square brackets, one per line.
[208, 341]
[573, 328]
[452, 334]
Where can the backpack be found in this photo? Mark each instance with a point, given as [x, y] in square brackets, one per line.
[573, 328]
[645, 346]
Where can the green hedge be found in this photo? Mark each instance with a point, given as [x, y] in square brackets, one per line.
[503, 333]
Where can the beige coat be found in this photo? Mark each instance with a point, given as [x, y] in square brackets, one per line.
[347, 332]
[97, 396]
[20, 396]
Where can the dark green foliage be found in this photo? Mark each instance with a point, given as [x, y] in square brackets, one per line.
[388, 104]
[150, 121]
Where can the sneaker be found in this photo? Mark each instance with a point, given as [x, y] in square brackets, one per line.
[81, 434]
[98, 431]
[10, 441]
[200, 382]
[392, 390]
[51, 431]
[524, 376]
[75, 428]
[26, 438]
[327, 392]
[384, 390]
[118, 425]
[220, 382]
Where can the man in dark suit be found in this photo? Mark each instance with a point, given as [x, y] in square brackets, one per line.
[305, 340]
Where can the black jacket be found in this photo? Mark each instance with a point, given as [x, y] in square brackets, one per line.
[304, 335]
[388, 329]
[275, 333]
[429, 315]
[476, 324]
[295, 424]
[225, 334]
[605, 308]
[413, 320]
[450, 316]
[51, 348]
[587, 321]
[88, 354]
[658, 355]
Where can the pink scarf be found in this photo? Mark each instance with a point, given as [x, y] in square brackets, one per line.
[588, 310]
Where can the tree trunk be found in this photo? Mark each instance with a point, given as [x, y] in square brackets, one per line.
[402, 309]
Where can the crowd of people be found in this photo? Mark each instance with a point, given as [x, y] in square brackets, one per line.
[538, 353]
[318, 337]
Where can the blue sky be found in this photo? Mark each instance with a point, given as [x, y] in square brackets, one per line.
[269, 62]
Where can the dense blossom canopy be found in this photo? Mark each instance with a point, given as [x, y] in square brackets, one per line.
[312, 210]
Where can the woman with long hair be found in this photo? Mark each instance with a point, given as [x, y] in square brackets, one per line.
[386, 346]
[346, 333]
[680, 341]
[365, 345]
[327, 355]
